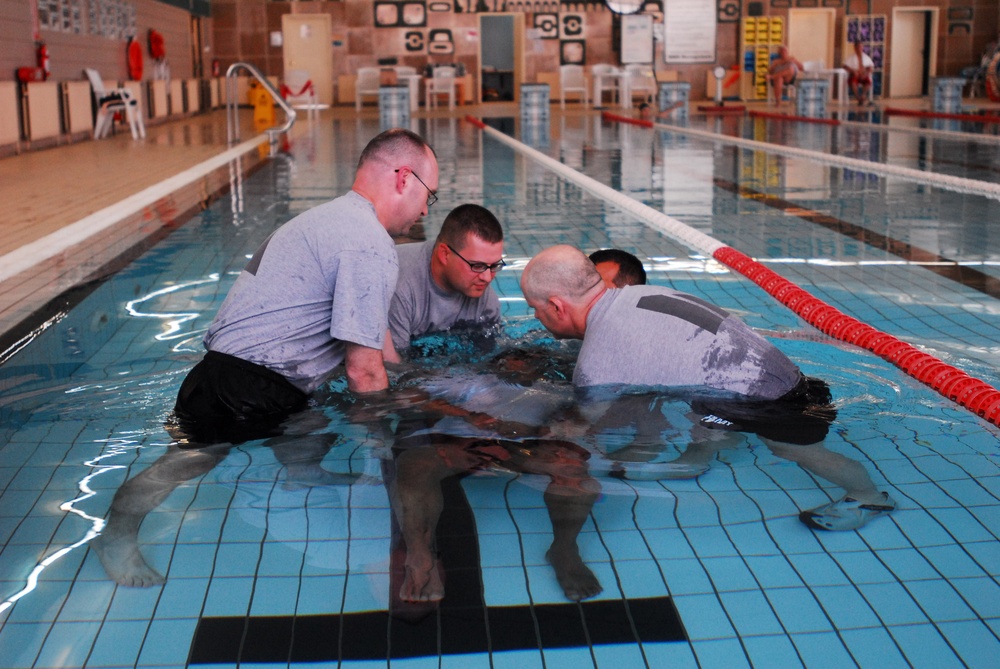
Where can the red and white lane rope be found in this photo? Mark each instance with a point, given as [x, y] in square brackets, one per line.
[974, 394]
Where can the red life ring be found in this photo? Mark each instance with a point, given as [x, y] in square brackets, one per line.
[157, 47]
[134, 60]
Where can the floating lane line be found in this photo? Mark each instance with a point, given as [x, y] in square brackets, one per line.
[974, 394]
[947, 182]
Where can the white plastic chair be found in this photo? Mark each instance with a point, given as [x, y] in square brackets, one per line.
[367, 84]
[642, 81]
[111, 102]
[572, 79]
[604, 82]
[442, 83]
[299, 86]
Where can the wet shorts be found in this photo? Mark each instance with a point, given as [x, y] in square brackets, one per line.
[801, 416]
[227, 399]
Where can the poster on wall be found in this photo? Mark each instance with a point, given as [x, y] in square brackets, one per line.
[637, 38]
[689, 31]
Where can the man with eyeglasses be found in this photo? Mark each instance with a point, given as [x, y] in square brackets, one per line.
[445, 284]
[314, 295]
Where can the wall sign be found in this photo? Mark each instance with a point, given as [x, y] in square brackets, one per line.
[689, 31]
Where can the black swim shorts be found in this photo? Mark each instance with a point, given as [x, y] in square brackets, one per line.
[801, 416]
[227, 399]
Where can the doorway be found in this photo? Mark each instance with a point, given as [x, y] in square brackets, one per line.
[306, 46]
[501, 57]
[913, 54]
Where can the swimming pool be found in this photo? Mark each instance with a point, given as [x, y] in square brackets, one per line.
[712, 571]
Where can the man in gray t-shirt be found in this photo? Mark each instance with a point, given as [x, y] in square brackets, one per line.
[314, 295]
[649, 336]
[446, 283]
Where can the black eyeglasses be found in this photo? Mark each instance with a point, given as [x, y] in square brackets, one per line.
[480, 267]
[431, 195]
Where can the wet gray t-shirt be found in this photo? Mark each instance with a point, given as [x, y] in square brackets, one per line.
[655, 336]
[324, 278]
[419, 306]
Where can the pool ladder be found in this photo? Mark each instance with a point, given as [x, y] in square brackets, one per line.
[232, 106]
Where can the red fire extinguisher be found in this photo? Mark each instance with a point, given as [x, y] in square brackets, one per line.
[43, 60]
[216, 67]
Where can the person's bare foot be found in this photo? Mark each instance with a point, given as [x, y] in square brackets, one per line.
[124, 563]
[576, 579]
[422, 582]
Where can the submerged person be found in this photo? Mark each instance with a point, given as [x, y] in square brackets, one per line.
[314, 297]
[464, 421]
[652, 336]
[445, 284]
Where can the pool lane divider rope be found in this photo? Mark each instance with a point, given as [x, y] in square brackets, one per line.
[972, 118]
[945, 181]
[974, 394]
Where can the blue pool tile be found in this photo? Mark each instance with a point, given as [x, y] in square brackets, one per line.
[162, 648]
[710, 541]
[750, 613]
[798, 610]
[982, 594]
[232, 559]
[677, 654]
[924, 646]
[962, 525]
[274, 595]
[773, 571]
[320, 595]
[626, 545]
[498, 550]
[619, 655]
[940, 600]
[181, 596]
[522, 659]
[119, 643]
[504, 586]
[193, 560]
[720, 654]
[86, 600]
[974, 642]
[771, 651]
[703, 617]
[134, 603]
[863, 567]
[751, 539]
[908, 564]
[893, 603]
[668, 543]
[228, 597]
[818, 569]
[567, 658]
[952, 561]
[873, 648]
[68, 644]
[640, 579]
[846, 607]
[686, 576]
[792, 537]
[729, 574]
[819, 651]
[989, 516]
[40, 605]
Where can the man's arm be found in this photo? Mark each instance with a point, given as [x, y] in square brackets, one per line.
[389, 353]
[365, 369]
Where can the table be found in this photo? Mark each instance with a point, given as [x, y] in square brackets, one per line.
[413, 81]
[838, 72]
[624, 92]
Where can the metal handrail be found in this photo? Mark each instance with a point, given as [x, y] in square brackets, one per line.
[232, 106]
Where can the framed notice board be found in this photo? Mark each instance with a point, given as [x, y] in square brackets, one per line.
[689, 31]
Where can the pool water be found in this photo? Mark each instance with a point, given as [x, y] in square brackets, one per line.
[269, 562]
